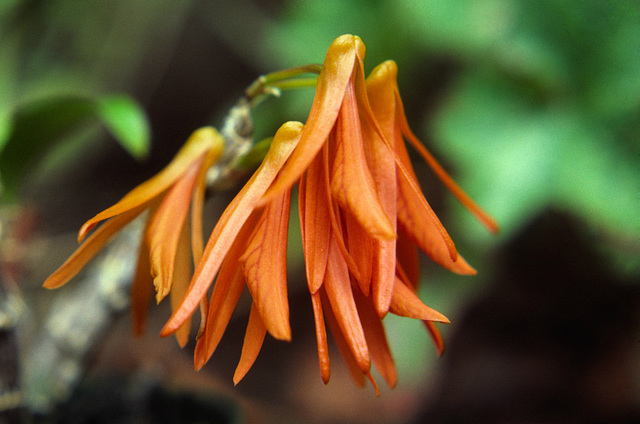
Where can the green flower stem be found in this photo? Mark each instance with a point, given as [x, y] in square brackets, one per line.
[263, 84]
[240, 152]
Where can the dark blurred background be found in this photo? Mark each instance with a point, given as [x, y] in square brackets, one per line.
[534, 107]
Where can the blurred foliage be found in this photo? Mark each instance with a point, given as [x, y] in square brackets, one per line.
[33, 129]
[56, 66]
[543, 109]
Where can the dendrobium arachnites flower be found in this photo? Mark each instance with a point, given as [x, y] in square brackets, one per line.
[165, 253]
[362, 217]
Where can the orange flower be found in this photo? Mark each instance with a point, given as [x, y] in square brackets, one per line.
[164, 258]
[247, 247]
[362, 214]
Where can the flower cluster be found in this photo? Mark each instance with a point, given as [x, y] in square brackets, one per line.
[164, 259]
[362, 214]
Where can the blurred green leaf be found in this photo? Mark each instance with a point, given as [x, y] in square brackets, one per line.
[124, 118]
[517, 157]
[34, 128]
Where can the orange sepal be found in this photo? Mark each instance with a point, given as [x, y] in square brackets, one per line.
[338, 289]
[435, 336]
[265, 266]
[376, 339]
[232, 220]
[446, 179]
[181, 275]
[382, 164]
[225, 295]
[330, 88]
[253, 339]
[202, 140]
[351, 181]
[321, 337]
[343, 346]
[315, 224]
[361, 249]
[87, 250]
[165, 228]
[406, 303]
[141, 290]
[421, 224]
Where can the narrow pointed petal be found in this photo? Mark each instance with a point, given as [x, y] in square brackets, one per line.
[340, 295]
[163, 233]
[409, 191]
[351, 181]
[422, 225]
[197, 206]
[265, 266]
[343, 346]
[201, 141]
[321, 337]
[315, 223]
[435, 336]
[382, 164]
[181, 277]
[232, 220]
[361, 248]
[373, 383]
[376, 339]
[87, 250]
[225, 295]
[335, 213]
[332, 82]
[141, 289]
[253, 339]
[197, 200]
[446, 179]
[406, 303]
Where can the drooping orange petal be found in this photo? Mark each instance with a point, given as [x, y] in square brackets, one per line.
[163, 232]
[197, 205]
[253, 339]
[87, 250]
[376, 339]
[141, 291]
[446, 179]
[408, 185]
[345, 351]
[181, 277]
[201, 141]
[225, 295]
[232, 220]
[142, 285]
[406, 303]
[265, 266]
[435, 336]
[197, 199]
[331, 84]
[361, 248]
[338, 288]
[218, 318]
[422, 225]
[351, 181]
[382, 164]
[321, 337]
[315, 224]
[337, 229]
